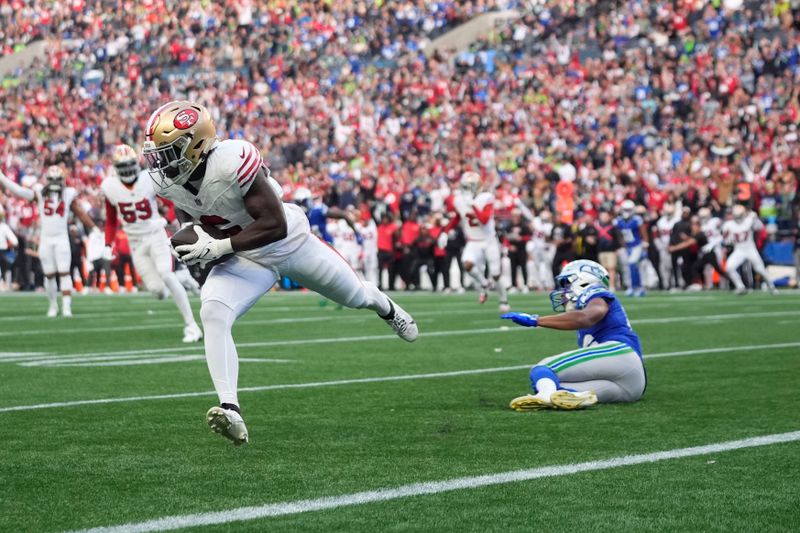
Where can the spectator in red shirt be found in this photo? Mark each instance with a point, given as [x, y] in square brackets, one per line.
[441, 260]
[408, 236]
[388, 240]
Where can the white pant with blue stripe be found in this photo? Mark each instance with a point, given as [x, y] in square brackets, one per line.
[613, 370]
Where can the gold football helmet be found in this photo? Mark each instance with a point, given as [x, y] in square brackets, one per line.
[470, 182]
[126, 162]
[177, 136]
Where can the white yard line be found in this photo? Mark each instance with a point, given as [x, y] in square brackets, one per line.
[429, 488]
[406, 377]
[155, 361]
[362, 338]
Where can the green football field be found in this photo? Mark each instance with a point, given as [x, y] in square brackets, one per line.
[352, 429]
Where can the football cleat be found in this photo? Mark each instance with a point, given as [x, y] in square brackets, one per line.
[530, 402]
[564, 399]
[402, 323]
[67, 312]
[504, 307]
[483, 296]
[229, 424]
[741, 291]
[53, 311]
[192, 333]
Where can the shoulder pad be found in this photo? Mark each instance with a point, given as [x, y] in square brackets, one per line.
[593, 291]
[239, 161]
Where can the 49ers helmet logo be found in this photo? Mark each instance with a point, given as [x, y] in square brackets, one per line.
[185, 119]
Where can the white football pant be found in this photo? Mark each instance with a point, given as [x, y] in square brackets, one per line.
[236, 285]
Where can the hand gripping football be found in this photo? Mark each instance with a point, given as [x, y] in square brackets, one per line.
[187, 235]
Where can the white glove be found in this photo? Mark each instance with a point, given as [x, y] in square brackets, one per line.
[205, 250]
[707, 248]
[108, 254]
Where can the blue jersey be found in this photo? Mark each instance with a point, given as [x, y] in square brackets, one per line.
[318, 220]
[615, 326]
[630, 228]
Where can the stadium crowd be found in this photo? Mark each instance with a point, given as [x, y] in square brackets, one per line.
[566, 111]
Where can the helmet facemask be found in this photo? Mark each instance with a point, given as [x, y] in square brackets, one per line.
[168, 164]
[127, 171]
[563, 298]
[54, 179]
[573, 282]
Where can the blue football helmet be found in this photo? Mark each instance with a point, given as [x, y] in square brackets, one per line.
[575, 278]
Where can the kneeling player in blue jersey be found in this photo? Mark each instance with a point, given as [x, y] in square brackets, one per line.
[608, 367]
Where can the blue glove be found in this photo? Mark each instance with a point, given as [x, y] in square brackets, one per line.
[523, 319]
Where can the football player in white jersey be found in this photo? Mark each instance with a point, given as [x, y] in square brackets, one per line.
[475, 211]
[670, 215]
[131, 201]
[739, 232]
[541, 251]
[346, 242]
[55, 201]
[711, 252]
[368, 230]
[225, 184]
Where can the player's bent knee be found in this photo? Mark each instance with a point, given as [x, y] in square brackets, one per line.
[216, 315]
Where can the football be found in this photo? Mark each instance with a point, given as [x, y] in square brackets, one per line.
[187, 235]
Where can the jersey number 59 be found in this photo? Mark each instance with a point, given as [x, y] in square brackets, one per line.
[130, 211]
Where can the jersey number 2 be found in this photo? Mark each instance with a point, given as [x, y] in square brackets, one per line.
[214, 220]
[50, 207]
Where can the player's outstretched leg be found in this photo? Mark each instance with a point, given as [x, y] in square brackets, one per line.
[319, 268]
[230, 290]
[223, 365]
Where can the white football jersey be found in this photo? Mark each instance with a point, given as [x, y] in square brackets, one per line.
[712, 228]
[664, 227]
[474, 229]
[344, 238]
[54, 210]
[137, 207]
[369, 236]
[231, 167]
[542, 230]
[740, 232]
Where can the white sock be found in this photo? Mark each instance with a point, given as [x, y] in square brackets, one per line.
[502, 291]
[180, 297]
[51, 289]
[66, 302]
[221, 355]
[477, 274]
[545, 387]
